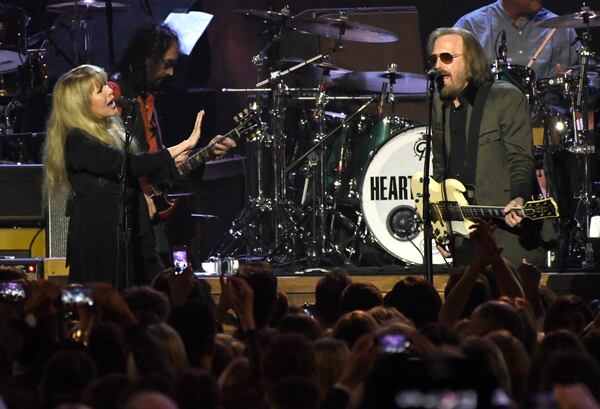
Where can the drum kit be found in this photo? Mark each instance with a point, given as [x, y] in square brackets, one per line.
[345, 199]
[307, 206]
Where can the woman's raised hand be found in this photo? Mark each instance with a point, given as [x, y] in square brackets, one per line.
[196, 132]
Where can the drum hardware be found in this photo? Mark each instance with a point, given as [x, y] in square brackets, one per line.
[575, 89]
[81, 13]
[321, 244]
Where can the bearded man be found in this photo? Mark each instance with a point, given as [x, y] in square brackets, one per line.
[482, 136]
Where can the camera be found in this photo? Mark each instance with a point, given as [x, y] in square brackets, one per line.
[77, 296]
[180, 259]
[12, 290]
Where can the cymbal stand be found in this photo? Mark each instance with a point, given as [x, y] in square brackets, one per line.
[83, 23]
[316, 165]
[579, 245]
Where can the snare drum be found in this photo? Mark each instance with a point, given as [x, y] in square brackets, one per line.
[387, 204]
[13, 37]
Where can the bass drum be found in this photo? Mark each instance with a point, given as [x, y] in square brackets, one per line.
[387, 204]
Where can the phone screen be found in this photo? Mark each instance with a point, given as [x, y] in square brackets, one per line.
[180, 260]
[394, 343]
[12, 290]
[77, 296]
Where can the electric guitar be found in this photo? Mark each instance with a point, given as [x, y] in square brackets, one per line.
[457, 212]
[247, 122]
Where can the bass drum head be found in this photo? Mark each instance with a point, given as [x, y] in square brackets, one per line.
[387, 203]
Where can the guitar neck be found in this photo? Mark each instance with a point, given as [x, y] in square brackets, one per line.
[454, 212]
[204, 154]
[484, 212]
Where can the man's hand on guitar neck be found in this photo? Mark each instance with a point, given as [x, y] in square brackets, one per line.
[221, 145]
[513, 217]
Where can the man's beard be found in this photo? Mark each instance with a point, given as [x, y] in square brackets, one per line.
[453, 89]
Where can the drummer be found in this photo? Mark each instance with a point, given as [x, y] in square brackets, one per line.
[517, 19]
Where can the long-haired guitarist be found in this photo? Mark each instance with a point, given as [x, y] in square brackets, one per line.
[481, 136]
[150, 58]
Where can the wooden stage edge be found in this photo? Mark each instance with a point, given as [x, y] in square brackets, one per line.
[300, 289]
[299, 286]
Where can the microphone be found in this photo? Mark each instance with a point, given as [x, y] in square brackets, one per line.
[123, 102]
[503, 50]
[433, 73]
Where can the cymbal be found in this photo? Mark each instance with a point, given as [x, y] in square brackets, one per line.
[84, 6]
[288, 62]
[371, 81]
[264, 15]
[574, 20]
[350, 30]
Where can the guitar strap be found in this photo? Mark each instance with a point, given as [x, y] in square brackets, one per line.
[473, 138]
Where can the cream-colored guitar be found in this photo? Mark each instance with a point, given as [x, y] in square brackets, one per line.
[456, 211]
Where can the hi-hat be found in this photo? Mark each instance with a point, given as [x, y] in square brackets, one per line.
[84, 6]
[348, 30]
[574, 20]
[371, 81]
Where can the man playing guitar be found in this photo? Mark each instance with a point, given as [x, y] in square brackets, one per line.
[149, 58]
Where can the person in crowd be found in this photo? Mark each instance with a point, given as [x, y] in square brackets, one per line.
[327, 296]
[417, 299]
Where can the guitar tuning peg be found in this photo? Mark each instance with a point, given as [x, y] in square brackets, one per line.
[245, 111]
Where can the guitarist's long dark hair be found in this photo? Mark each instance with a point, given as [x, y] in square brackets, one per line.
[148, 41]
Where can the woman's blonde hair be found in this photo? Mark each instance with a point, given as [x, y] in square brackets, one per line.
[71, 110]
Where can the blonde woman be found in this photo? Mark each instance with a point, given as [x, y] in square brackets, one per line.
[83, 156]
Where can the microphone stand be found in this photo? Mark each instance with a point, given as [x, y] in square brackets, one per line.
[427, 227]
[124, 231]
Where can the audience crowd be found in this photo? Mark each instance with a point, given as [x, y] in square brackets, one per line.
[497, 339]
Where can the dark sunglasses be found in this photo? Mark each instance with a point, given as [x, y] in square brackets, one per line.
[169, 64]
[446, 58]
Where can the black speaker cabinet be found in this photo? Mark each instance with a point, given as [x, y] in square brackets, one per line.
[21, 197]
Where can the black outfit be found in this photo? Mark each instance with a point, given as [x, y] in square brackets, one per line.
[498, 161]
[162, 246]
[92, 248]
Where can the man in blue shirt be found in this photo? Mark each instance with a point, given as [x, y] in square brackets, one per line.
[518, 18]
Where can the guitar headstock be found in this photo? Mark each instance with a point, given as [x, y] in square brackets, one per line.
[248, 121]
[540, 209]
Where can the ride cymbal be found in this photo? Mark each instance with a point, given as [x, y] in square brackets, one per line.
[574, 20]
[342, 28]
